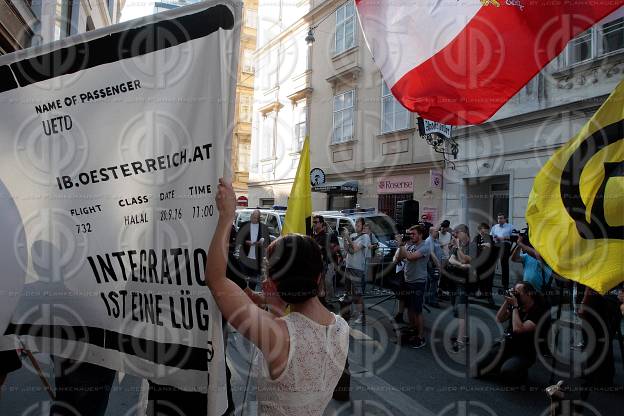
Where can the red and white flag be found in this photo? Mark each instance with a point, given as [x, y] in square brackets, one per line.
[458, 61]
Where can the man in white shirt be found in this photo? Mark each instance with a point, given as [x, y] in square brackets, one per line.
[501, 234]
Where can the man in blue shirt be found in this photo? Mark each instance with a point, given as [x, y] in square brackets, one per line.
[536, 272]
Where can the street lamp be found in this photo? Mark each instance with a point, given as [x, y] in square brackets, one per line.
[310, 37]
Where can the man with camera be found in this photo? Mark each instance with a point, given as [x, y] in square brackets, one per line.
[416, 252]
[535, 271]
[501, 233]
[511, 357]
[356, 246]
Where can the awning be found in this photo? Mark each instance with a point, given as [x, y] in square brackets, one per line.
[337, 187]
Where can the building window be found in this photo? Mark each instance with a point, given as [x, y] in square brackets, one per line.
[111, 10]
[63, 19]
[268, 67]
[301, 126]
[393, 115]
[345, 28]
[248, 63]
[595, 42]
[613, 36]
[580, 48]
[245, 108]
[251, 18]
[387, 203]
[336, 202]
[266, 202]
[343, 117]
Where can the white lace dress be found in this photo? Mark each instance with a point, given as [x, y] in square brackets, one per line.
[316, 360]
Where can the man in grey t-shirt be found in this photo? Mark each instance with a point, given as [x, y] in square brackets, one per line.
[417, 253]
[416, 269]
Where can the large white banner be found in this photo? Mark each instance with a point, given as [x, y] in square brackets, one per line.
[111, 146]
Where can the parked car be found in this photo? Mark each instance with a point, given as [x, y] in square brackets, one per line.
[381, 225]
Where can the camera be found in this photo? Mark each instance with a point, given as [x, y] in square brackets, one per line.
[510, 293]
[402, 238]
[524, 233]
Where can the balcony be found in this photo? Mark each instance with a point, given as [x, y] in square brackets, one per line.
[347, 76]
[302, 86]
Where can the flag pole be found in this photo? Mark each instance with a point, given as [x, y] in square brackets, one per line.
[42, 377]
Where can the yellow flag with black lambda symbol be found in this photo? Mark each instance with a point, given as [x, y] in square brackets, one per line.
[576, 208]
[299, 212]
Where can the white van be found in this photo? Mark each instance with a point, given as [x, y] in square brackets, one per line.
[382, 226]
[272, 218]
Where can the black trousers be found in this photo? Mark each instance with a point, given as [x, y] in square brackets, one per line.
[81, 388]
[486, 281]
[505, 252]
[252, 273]
[169, 401]
[510, 367]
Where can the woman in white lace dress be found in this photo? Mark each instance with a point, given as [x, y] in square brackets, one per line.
[304, 353]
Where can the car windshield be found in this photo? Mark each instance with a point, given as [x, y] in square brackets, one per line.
[382, 226]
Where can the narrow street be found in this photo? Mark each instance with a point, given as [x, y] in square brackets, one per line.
[386, 378]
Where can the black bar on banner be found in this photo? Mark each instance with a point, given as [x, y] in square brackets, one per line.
[179, 356]
[118, 46]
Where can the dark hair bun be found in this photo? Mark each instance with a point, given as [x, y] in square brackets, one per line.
[294, 265]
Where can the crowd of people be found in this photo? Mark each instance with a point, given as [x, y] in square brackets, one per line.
[279, 295]
[442, 266]
[435, 262]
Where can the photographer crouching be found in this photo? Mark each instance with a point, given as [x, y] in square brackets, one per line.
[512, 356]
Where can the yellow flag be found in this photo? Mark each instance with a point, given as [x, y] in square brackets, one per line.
[299, 212]
[576, 208]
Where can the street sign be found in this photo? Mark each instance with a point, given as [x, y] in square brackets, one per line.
[242, 201]
[435, 177]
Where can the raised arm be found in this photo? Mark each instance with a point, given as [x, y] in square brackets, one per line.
[464, 258]
[350, 245]
[261, 327]
[413, 255]
[515, 254]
